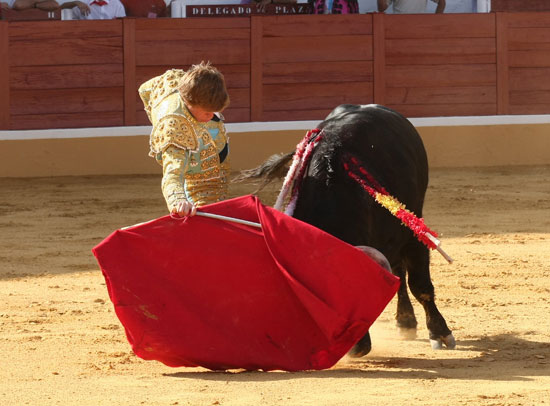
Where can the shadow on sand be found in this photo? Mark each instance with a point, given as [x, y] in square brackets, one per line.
[523, 359]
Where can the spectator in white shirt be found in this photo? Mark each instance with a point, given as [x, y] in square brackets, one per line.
[6, 4]
[410, 6]
[95, 9]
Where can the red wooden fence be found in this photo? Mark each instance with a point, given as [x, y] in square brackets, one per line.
[443, 66]
[527, 43]
[520, 5]
[59, 74]
[303, 69]
[161, 44]
[65, 74]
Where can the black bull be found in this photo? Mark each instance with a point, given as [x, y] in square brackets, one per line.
[388, 147]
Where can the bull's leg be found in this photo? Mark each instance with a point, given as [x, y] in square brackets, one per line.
[420, 284]
[362, 347]
[406, 320]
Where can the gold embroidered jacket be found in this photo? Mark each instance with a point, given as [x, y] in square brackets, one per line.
[193, 154]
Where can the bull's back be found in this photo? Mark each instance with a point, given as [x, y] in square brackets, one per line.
[388, 147]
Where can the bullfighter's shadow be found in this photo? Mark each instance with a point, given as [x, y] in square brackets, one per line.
[522, 358]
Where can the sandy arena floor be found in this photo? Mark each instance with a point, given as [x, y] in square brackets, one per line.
[62, 344]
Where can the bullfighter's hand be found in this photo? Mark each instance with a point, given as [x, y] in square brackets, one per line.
[184, 208]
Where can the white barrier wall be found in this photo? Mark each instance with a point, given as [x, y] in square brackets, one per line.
[449, 142]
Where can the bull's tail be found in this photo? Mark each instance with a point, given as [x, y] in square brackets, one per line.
[275, 167]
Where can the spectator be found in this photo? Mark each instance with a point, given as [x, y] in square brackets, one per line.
[334, 6]
[410, 6]
[261, 4]
[46, 5]
[145, 8]
[6, 4]
[95, 9]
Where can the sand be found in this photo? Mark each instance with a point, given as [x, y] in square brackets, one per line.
[62, 344]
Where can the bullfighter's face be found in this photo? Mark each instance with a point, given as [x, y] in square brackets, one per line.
[200, 114]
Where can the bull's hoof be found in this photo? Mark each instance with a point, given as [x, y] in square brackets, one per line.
[406, 321]
[362, 347]
[407, 333]
[449, 342]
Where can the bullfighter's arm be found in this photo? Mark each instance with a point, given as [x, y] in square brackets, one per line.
[174, 164]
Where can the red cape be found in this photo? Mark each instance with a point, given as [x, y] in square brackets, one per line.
[211, 293]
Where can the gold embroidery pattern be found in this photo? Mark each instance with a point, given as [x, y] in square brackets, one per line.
[183, 146]
[173, 164]
[158, 88]
[208, 187]
[209, 163]
[208, 151]
[205, 175]
[205, 135]
[172, 130]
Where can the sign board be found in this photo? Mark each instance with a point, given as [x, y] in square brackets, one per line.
[245, 10]
[32, 14]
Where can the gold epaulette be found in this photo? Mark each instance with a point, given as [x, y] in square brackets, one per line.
[173, 129]
[156, 89]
